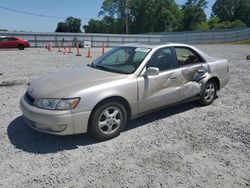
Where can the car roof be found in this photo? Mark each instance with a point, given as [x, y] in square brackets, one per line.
[8, 37]
[170, 44]
[154, 45]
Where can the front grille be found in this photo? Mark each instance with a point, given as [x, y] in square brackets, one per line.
[29, 98]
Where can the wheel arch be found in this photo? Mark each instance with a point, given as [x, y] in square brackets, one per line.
[216, 80]
[20, 46]
[119, 99]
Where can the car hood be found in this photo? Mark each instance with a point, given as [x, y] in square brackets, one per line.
[66, 83]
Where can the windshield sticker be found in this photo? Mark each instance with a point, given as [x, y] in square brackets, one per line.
[142, 50]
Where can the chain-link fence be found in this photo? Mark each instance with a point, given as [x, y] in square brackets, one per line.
[37, 39]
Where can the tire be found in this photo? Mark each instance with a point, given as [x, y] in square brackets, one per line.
[209, 93]
[108, 120]
[20, 47]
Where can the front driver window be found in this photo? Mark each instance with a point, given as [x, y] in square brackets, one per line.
[164, 59]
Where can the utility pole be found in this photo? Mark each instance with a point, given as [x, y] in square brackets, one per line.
[126, 18]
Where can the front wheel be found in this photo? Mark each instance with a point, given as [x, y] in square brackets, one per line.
[20, 47]
[209, 93]
[107, 121]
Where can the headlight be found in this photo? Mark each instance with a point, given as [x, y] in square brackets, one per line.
[48, 103]
[66, 104]
[58, 104]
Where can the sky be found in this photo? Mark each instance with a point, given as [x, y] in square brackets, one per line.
[84, 9]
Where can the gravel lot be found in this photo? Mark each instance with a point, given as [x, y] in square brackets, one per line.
[182, 146]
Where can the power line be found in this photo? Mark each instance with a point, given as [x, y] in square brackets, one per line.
[35, 14]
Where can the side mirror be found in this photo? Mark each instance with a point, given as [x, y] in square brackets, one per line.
[151, 71]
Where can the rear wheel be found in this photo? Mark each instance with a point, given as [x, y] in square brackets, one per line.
[108, 120]
[20, 47]
[209, 93]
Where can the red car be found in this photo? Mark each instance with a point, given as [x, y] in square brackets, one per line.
[13, 42]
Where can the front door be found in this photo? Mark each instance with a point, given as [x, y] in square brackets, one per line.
[162, 89]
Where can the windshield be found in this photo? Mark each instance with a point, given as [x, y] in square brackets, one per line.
[123, 60]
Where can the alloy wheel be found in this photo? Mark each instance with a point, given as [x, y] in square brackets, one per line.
[110, 120]
[209, 92]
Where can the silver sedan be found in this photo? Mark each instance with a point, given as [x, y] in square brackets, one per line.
[126, 82]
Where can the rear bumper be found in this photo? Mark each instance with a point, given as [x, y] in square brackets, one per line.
[54, 121]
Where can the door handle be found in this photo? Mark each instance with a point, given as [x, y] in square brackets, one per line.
[173, 77]
[200, 71]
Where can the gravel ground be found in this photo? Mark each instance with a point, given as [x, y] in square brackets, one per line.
[182, 146]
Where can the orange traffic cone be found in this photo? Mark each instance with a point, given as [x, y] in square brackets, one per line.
[58, 45]
[64, 50]
[77, 47]
[89, 53]
[70, 45]
[49, 46]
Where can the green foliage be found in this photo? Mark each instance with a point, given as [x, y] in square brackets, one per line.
[162, 16]
[62, 27]
[154, 16]
[238, 24]
[194, 14]
[144, 16]
[71, 25]
[74, 24]
[245, 42]
[215, 24]
[231, 10]
[203, 27]
[114, 15]
[230, 25]
[95, 26]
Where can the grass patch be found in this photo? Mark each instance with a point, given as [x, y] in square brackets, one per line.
[242, 42]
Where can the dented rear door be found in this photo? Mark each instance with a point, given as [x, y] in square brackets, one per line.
[193, 69]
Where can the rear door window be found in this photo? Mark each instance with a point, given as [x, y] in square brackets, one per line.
[12, 39]
[187, 56]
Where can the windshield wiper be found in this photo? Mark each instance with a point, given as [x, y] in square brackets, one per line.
[101, 67]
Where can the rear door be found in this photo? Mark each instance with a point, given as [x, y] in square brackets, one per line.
[159, 90]
[11, 42]
[193, 67]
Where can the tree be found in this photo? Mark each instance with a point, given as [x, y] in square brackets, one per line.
[114, 10]
[143, 17]
[155, 16]
[62, 27]
[71, 25]
[94, 26]
[74, 24]
[193, 14]
[231, 10]
[203, 26]
[215, 24]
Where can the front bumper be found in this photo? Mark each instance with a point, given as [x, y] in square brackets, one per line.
[57, 122]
